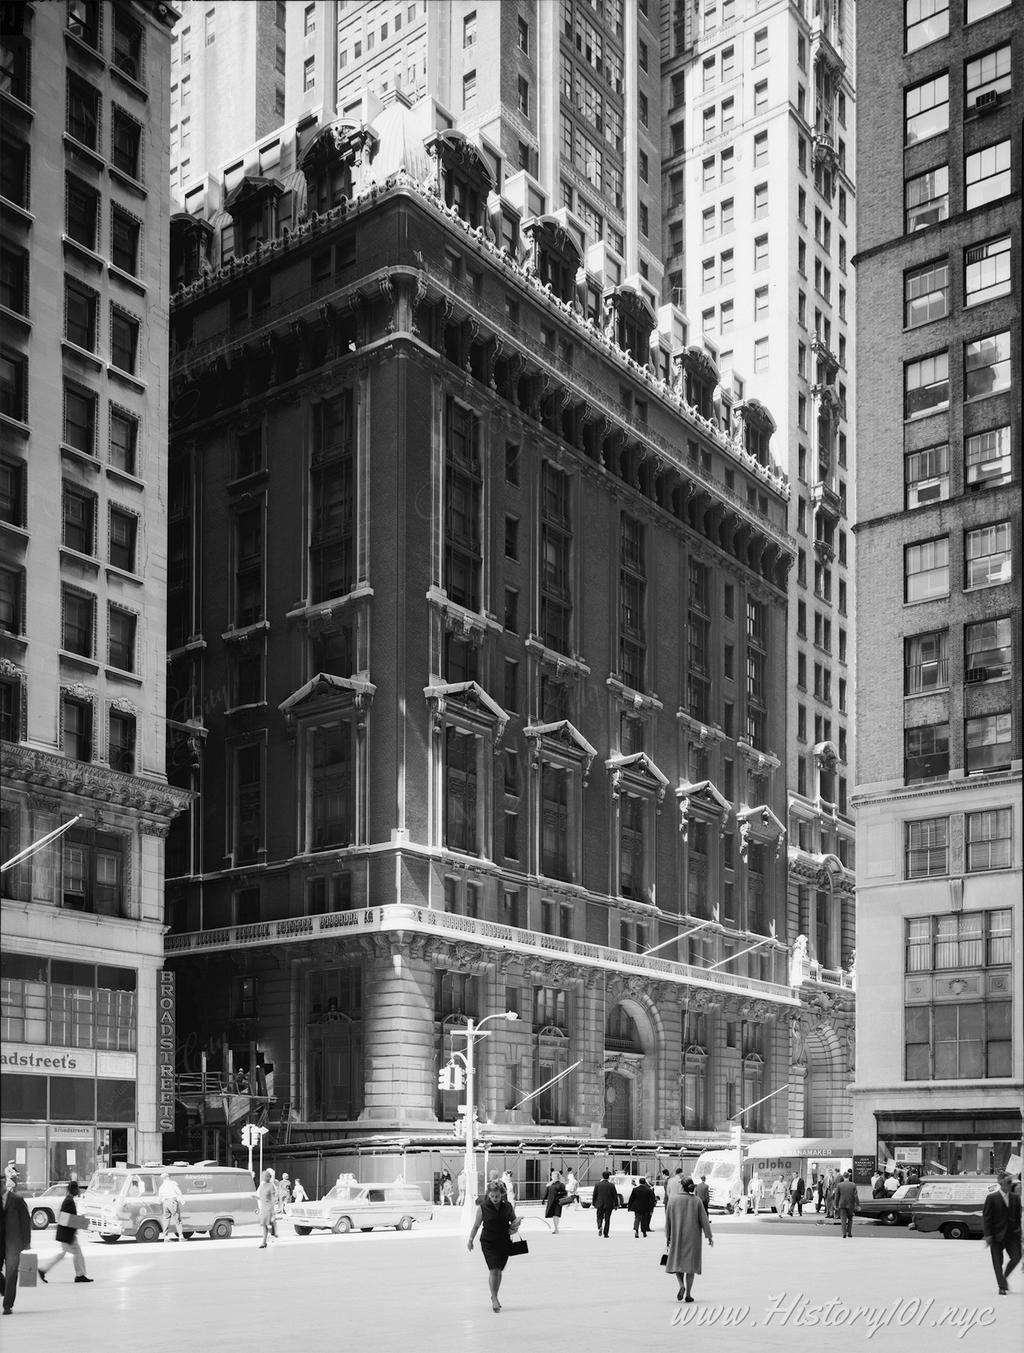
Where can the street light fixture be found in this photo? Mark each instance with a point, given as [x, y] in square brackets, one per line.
[471, 1033]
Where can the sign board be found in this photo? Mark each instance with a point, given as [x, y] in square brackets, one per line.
[38, 1057]
[863, 1169]
[907, 1155]
[165, 1042]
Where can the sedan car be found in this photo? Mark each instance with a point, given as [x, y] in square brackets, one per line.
[44, 1207]
[350, 1206]
[893, 1210]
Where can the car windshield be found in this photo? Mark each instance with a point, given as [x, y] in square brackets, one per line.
[341, 1193]
[107, 1181]
[722, 1169]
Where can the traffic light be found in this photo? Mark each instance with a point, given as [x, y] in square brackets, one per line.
[458, 1078]
[444, 1078]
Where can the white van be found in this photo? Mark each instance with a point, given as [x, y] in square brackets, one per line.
[125, 1202]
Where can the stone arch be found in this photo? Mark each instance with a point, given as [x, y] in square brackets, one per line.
[633, 1071]
[824, 1083]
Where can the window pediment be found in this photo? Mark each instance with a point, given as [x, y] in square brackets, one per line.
[547, 232]
[468, 697]
[703, 799]
[328, 692]
[250, 192]
[636, 772]
[563, 737]
[761, 826]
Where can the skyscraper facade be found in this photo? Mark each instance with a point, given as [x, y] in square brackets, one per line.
[940, 1064]
[87, 1027]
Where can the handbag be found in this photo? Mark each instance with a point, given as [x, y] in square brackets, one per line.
[663, 1261]
[519, 1247]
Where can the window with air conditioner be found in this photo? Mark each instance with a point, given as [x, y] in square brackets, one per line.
[988, 650]
[926, 475]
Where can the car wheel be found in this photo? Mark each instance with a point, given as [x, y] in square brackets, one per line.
[405, 1224]
[302, 1230]
[583, 1204]
[342, 1226]
[188, 1234]
[148, 1232]
[110, 1240]
[220, 1230]
[40, 1218]
[955, 1230]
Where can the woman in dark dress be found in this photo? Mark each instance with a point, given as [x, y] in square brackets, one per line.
[554, 1197]
[497, 1222]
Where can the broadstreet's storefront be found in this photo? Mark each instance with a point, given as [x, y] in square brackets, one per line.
[939, 1142]
[66, 1111]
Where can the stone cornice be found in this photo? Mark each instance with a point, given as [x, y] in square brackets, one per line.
[927, 790]
[31, 768]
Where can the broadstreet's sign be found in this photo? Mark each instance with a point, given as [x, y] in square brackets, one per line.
[40, 1058]
[165, 1006]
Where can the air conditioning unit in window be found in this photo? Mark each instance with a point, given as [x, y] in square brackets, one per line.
[984, 103]
[975, 674]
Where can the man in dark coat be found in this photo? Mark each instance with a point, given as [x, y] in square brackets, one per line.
[847, 1203]
[1000, 1219]
[15, 1238]
[641, 1204]
[703, 1192]
[796, 1194]
[67, 1238]
[606, 1200]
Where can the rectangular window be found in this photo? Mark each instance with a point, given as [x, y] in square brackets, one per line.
[126, 143]
[124, 440]
[926, 108]
[760, 96]
[926, 21]
[987, 457]
[127, 45]
[78, 622]
[987, 271]
[987, 365]
[80, 314]
[125, 235]
[926, 570]
[926, 662]
[760, 252]
[469, 90]
[925, 293]
[80, 419]
[124, 340]
[121, 742]
[122, 539]
[248, 802]
[121, 629]
[760, 47]
[986, 78]
[463, 558]
[927, 848]
[989, 840]
[760, 201]
[81, 204]
[988, 742]
[987, 174]
[926, 752]
[926, 475]
[309, 74]
[988, 556]
[926, 199]
[926, 385]
[83, 112]
[760, 354]
[988, 650]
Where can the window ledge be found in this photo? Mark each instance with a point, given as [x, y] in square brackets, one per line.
[8, 636]
[248, 481]
[15, 318]
[22, 213]
[255, 705]
[920, 695]
[128, 678]
[123, 78]
[114, 572]
[84, 561]
[82, 354]
[127, 279]
[83, 152]
[126, 377]
[17, 425]
[126, 181]
[16, 105]
[245, 632]
[10, 528]
[82, 252]
[125, 477]
[80, 457]
[194, 645]
[79, 660]
[76, 44]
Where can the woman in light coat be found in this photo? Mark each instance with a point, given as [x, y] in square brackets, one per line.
[686, 1222]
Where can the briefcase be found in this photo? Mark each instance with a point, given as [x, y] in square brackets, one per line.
[28, 1268]
[73, 1220]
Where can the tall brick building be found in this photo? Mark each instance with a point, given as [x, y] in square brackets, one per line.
[478, 627]
[83, 569]
[941, 1062]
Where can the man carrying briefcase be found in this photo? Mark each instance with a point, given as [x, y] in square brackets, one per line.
[15, 1240]
[69, 1223]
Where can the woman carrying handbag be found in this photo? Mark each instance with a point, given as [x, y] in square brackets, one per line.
[497, 1223]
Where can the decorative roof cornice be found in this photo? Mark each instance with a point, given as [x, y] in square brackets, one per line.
[37, 769]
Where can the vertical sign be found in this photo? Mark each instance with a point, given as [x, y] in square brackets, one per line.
[165, 1051]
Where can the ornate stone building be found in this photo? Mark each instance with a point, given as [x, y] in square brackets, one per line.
[478, 664]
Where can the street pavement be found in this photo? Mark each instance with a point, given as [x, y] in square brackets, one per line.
[767, 1285]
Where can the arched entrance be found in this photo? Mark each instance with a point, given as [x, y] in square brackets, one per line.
[824, 1084]
[628, 1072]
[618, 1105]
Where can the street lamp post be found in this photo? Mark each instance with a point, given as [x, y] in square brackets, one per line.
[471, 1034]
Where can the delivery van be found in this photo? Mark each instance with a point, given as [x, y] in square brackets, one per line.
[124, 1201]
[806, 1157]
[952, 1204]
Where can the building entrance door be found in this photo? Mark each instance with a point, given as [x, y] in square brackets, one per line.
[618, 1106]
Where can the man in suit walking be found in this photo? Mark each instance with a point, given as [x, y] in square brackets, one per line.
[605, 1200]
[796, 1194]
[1000, 1219]
[847, 1202]
[15, 1238]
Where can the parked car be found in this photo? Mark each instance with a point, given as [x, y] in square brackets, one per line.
[124, 1202]
[952, 1204]
[350, 1206]
[623, 1187]
[44, 1207]
[893, 1210]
